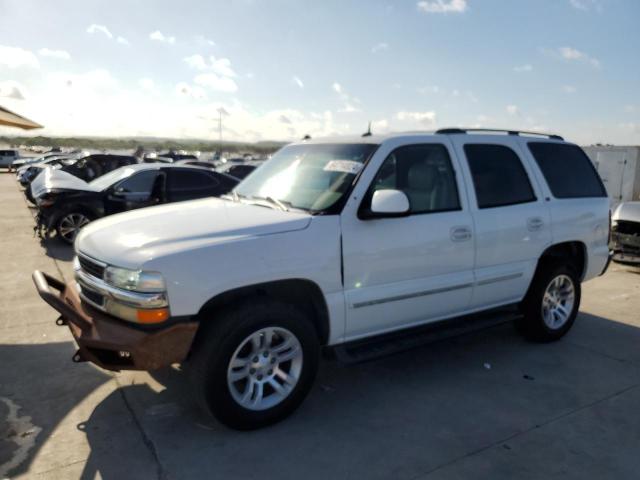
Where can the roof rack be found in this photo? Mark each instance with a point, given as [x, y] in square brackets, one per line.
[497, 130]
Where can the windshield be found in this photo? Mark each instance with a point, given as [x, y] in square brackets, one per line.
[108, 179]
[311, 177]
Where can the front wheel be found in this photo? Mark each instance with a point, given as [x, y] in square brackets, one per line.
[254, 365]
[551, 304]
[69, 226]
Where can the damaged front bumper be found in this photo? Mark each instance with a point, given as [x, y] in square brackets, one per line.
[109, 342]
[626, 247]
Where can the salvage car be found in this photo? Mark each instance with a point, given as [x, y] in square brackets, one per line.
[66, 203]
[625, 235]
[335, 243]
[238, 170]
[27, 173]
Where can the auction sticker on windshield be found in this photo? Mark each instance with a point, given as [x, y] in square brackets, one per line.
[346, 166]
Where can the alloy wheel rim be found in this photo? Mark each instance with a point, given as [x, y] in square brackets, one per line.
[558, 302]
[265, 368]
[71, 224]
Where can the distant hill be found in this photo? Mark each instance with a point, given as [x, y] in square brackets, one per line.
[148, 143]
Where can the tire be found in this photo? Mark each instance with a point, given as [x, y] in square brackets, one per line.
[69, 224]
[225, 339]
[547, 318]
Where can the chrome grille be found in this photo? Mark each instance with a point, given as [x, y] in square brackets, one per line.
[90, 267]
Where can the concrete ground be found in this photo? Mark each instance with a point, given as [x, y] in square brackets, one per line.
[486, 405]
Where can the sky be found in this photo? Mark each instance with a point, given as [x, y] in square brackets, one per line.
[281, 69]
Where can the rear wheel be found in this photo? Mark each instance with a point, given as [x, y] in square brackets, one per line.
[551, 304]
[255, 364]
[70, 224]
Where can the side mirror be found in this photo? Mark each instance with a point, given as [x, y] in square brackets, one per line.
[389, 203]
[118, 192]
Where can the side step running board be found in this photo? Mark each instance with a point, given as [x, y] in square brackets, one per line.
[400, 341]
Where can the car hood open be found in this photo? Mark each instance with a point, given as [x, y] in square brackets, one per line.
[55, 179]
[129, 239]
[629, 211]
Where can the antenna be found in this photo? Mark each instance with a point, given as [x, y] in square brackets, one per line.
[306, 137]
[368, 132]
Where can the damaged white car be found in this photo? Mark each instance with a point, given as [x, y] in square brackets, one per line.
[625, 233]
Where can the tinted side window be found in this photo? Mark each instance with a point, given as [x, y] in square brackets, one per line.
[567, 170]
[190, 184]
[499, 178]
[424, 173]
[140, 183]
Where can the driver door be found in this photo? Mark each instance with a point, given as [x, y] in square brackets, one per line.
[142, 189]
[413, 269]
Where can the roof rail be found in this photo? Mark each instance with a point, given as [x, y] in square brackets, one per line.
[497, 130]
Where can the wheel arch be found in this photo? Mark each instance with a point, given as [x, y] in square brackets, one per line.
[302, 293]
[572, 252]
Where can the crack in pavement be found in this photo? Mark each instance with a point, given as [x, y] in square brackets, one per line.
[145, 438]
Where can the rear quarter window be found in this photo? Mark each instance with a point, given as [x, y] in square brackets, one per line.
[567, 170]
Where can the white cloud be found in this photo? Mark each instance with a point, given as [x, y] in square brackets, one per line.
[122, 40]
[513, 110]
[349, 102]
[93, 80]
[573, 54]
[523, 68]
[297, 81]
[216, 82]
[425, 118]
[586, 5]
[95, 28]
[146, 83]
[11, 89]
[442, 6]
[158, 36]
[428, 89]
[59, 54]
[16, 57]
[380, 47]
[380, 126]
[569, 89]
[630, 108]
[204, 41]
[186, 90]
[221, 66]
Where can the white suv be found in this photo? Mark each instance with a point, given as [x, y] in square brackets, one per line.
[333, 242]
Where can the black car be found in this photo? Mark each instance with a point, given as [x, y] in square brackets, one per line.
[93, 166]
[66, 203]
[237, 170]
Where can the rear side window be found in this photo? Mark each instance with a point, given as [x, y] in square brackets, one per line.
[190, 184]
[567, 170]
[499, 178]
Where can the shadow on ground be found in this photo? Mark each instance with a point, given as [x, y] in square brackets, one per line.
[402, 416]
[57, 249]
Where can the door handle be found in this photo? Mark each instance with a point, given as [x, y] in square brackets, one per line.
[460, 234]
[534, 224]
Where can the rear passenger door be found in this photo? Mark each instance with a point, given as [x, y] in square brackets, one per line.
[511, 220]
[190, 184]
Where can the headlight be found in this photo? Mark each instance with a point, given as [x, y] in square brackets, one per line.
[135, 280]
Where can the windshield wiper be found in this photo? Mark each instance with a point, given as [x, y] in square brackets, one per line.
[277, 202]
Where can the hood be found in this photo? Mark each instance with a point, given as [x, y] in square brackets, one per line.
[55, 179]
[132, 238]
[629, 211]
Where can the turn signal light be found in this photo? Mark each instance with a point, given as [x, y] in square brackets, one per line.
[155, 315]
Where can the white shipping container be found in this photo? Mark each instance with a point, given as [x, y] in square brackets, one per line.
[619, 168]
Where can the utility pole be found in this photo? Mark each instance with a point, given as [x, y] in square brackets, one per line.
[221, 111]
